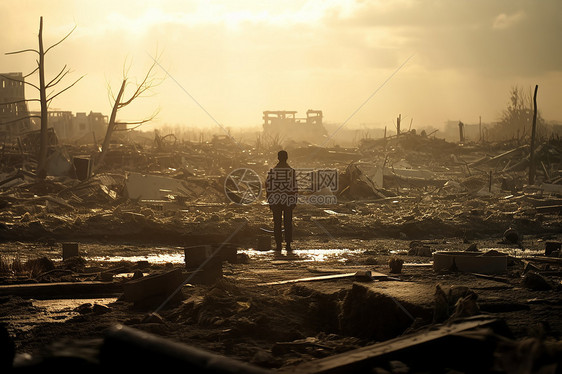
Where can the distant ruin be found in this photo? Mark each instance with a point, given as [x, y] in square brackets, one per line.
[14, 115]
[283, 125]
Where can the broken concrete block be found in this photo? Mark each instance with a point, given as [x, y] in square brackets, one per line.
[419, 249]
[153, 288]
[83, 167]
[368, 314]
[197, 255]
[395, 265]
[470, 262]
[207, 273]
[69, 250]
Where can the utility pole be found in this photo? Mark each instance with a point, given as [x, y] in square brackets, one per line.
[533, 132]
[480, 129]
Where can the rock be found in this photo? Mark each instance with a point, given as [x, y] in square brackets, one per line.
[100, 309]
[137, 274]
[84, 308]
[395, 265]
[76, 264]
[535, 282]
[422, 250]
[472, 248]
[398, 367]
[511, 236]
[265, 359]
[466, 307]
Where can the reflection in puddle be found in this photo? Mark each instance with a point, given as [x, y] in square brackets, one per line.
[178, 257]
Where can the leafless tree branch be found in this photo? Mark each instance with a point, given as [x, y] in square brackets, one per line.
[62, 40]
[58, 93]
[34, 70]
[22, 51]
[61, 74]
[147, 83]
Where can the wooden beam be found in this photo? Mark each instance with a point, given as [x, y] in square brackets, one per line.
[366, 275]
[61, 290]
[363, 359]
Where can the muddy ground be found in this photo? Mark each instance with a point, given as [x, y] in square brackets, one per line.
[280, 326]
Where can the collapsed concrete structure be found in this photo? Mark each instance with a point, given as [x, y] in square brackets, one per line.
[284, 125]
[14, 115]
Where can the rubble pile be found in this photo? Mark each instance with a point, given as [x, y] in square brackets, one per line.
[446, 250]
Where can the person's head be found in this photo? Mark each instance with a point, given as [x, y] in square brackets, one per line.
[282, 156]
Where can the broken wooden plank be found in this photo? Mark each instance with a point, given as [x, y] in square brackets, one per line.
[549, 209]
[549, 260]
[491, 277]
[500, 156]
[363, 275]
[61, 290]
[363, 359]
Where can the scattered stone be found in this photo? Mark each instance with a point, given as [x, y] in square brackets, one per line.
[395, 265]
[535, 282]
[265, 359]
[85, 308]
[100, 309]
[398, 367]
[76, 264]
[137, 274]
[511, 236]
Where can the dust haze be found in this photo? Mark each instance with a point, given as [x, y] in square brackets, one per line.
[286, 187]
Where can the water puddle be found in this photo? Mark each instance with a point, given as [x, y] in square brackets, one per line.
[177, 256]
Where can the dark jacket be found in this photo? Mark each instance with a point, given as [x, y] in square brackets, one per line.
[281, 186]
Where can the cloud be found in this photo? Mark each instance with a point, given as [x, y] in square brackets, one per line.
[504, 21]
[464, 35]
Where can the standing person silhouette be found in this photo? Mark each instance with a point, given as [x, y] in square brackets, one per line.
[282, 195]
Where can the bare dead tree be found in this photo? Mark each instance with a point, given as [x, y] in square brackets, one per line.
[120, 101]
[46, 95]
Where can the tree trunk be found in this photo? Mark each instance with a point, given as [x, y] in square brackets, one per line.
[111, 125]
[43, 145]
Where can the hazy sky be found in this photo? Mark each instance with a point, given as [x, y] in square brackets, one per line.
[239, 58]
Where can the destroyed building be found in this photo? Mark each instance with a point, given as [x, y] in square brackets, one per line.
[283, 125]
[77, 127]
[14, 115]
